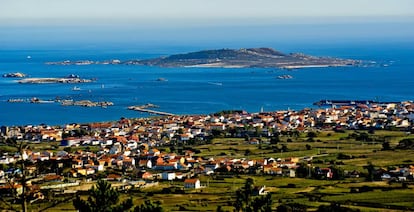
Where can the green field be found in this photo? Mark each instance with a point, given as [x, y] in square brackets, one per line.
[326, 147]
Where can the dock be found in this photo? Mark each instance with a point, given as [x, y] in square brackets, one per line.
[144, 109]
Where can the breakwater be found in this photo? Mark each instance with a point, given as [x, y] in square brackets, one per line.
[144, 109]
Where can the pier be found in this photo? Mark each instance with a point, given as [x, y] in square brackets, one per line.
[144, 109]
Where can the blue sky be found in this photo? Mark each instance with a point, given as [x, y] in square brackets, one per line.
[193, 12]
[229, 23]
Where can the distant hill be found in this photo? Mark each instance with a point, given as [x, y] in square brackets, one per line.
[229, 58]
[243, 58]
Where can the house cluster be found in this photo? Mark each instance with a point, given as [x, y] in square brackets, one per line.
[164, 130]
[133, 144]
[399, 174]
[374, 115]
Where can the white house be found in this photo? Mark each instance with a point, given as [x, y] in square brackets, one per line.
[192, 183]
[168, 175]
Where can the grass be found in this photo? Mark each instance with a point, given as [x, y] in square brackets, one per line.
[309, 192]
[392, 197]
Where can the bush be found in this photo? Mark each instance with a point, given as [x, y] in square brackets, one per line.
[407, 143]
[291, 185]
[365, 189]
[342, 156]
[354, 190]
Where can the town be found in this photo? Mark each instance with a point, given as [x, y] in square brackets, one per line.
[185, 151]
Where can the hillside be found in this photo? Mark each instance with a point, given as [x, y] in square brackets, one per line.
[244, 58]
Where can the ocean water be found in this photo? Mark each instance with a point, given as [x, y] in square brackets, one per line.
[197, 90]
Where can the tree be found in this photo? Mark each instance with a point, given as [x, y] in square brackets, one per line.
[303, 170]
[149, 206]
[311, 134]
[258, 131]
[295, 133]
[291, 207]
[217, 133]
[338, 172]
[371, 171]
[363, 137]
[386, 145]
[407, 143]
[247, 152]
[102, 198]
[284, 148]
[275, 139]
[246, 202]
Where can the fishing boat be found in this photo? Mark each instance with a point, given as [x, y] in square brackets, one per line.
[75, 88]
[286, 76]
[162, 80]
[215, 83]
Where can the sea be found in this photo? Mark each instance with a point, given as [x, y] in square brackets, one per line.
[387, 77]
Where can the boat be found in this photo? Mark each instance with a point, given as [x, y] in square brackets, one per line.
[215, 83]
[75, 88]
[162, 79]
[286, 76]
[73, 76]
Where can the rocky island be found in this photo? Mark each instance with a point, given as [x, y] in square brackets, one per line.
[244, 58]
[69, 79]
[14, 75]
[86, 103]
[233, 58]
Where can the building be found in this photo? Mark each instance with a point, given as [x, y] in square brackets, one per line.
[168, 175]
[192, 183]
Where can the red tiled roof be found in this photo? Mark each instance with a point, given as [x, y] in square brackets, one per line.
[193, 181]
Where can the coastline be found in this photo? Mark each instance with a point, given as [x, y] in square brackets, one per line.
[314, 66]
[221, 65]
[229, 58]
[39, 80]
[215, 65]
[188, 91]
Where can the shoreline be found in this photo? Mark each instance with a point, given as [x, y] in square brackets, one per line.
[39, 80]
[313, 66]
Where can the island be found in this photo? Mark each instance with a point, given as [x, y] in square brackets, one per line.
[72, 78]
[14, 75]
[232, 58]
[85, 62]
[86, 103]
[244, 58]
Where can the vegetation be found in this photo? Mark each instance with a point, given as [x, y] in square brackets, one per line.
[21, 173]
[343, 151]
[102, 198]
[245, 200]
[149, 206]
